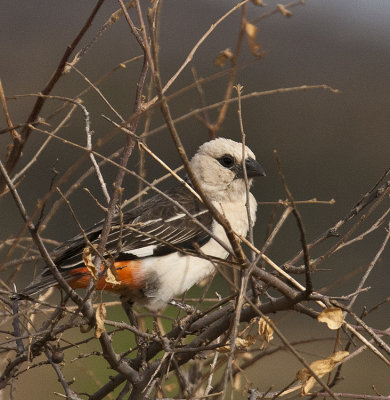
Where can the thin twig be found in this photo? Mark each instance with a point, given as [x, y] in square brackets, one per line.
[70, 394]
[244, 97]
[309, 284]
[371, 266]
[233, 73]
[16, 138]
[217, 215]
[17, 148]
[194, 50]
[99, 92]
[45, 143]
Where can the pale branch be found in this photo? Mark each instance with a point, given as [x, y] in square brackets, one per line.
[34, 159]
[193, 51]
[374, 197]
[99, 92]
[217, 105]
[218, 216]
[233, 74]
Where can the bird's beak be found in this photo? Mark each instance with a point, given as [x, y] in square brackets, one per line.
[253, 169]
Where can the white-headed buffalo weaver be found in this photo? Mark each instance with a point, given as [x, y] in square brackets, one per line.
[158, 241]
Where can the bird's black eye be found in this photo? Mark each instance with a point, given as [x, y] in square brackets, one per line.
[226, 161]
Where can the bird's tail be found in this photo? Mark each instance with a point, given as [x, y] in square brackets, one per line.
[41, 283]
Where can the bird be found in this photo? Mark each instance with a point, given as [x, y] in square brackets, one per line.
[159, 250]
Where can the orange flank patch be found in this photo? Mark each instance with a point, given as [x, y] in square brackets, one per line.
[129, 274]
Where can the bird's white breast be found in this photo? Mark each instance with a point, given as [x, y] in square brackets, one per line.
[175, 273]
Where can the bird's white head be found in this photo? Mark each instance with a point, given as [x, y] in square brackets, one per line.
[218, 165]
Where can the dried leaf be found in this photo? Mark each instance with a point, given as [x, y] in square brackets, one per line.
[307, 386]
[258, 3]
[240, 344]
[285, 12]
[112, 276]
[244, 343]
[333, 317]
[223, 57]
[88, 261]
[251, 32]
[265, 330]
[100, 318]
[321, 368]
[237, 382]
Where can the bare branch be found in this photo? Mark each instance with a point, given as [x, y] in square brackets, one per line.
[17, 148]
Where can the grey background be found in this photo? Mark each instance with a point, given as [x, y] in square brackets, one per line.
[331, 145]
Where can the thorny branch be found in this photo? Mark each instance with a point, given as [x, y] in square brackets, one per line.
[188, 349]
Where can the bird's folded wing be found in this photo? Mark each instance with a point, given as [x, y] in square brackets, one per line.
[155, 228]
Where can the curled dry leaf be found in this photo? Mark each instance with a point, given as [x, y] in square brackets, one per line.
[223, 57]
[112, 275]
[88, 261]
[240, 344]
[100, 318]
[333, 317]
[321, 368]
[265, 330]
[251, 32]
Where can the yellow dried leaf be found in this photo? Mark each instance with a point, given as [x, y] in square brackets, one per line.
[339, 356]
[223, 57]
[237, 382]
[307, 386]
[251, 32]
[244, 343]
[285, 12]
[224, 349]
[100, 318]
[265, 330]
[321, 368]
[88, 261]
[333, 317]
[258, 3]
[240, 344]
[112, 276]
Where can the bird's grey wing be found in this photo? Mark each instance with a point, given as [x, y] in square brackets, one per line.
[157, 227]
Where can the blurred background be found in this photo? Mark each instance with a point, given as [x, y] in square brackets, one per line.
[330, 145]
